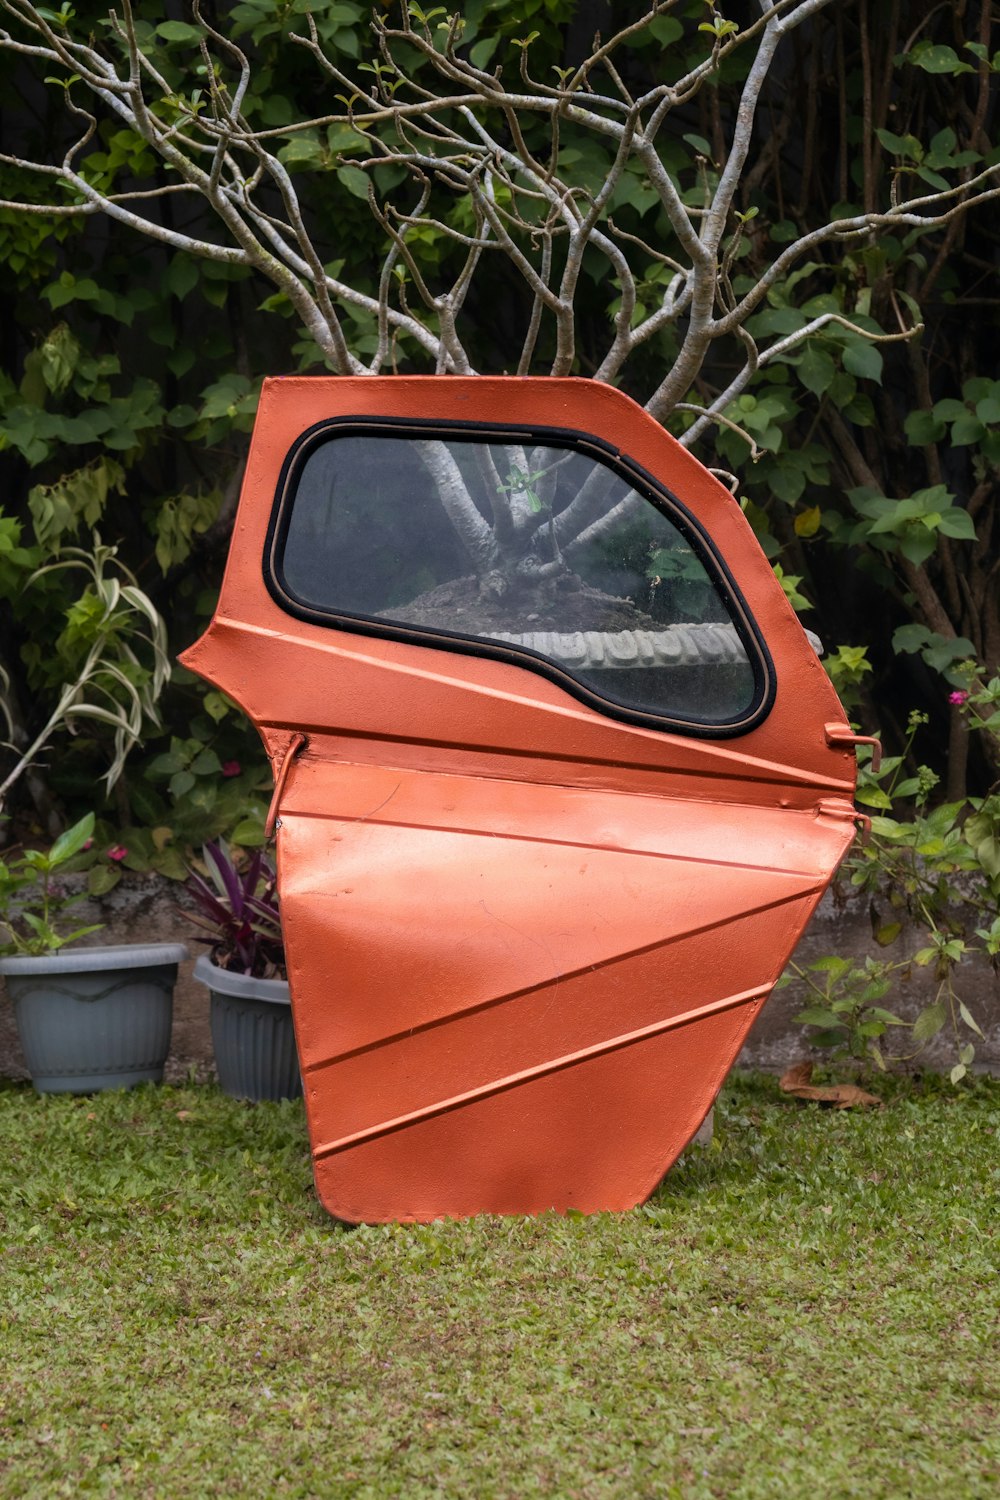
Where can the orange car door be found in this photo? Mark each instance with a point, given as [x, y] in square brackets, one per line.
[559, 782]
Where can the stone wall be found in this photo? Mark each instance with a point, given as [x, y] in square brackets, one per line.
[145, 909]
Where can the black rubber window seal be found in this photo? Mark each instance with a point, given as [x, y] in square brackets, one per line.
[646, 484]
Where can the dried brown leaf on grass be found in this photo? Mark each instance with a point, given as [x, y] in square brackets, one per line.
[844, 1095]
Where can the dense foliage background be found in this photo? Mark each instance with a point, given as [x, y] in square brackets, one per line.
[130, 371]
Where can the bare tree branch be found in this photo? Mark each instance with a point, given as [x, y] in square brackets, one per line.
[461, 134]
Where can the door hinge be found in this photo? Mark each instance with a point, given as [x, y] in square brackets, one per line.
[842, 736]
[834, 807]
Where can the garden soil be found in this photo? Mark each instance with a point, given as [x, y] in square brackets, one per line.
[564, 604]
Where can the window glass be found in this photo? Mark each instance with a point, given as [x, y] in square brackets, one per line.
[533, 546]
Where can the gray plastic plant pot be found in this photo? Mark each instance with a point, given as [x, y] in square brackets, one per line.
[95, 1018]
[252, 1034]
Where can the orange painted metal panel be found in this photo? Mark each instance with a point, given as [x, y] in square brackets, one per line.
[525, 939]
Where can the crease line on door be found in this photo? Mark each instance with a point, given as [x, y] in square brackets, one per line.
[759, 772]
[539, 1070]
[357, 820]
[565, 975]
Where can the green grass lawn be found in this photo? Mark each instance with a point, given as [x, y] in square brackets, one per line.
[807, 1308]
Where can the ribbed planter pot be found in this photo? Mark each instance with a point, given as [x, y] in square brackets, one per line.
[252, 1034]
[95, 1018]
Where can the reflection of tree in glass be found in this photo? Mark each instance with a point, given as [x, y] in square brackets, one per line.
[520, 482]
[556, 541]
[518, 512]
[679, 589]
[536, 488]
[537, 546]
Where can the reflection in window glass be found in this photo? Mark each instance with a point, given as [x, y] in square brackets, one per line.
[539, 547]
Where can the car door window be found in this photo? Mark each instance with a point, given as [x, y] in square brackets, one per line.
[533, 546]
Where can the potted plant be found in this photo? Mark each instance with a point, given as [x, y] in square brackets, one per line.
[89, 1018]
[244, 970]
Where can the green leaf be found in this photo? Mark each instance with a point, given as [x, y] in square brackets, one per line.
[146, 804]
[355, 181]
[969, 1018]
[102, 878]
[830, 964]
[958, 523]
[873, 796]
[930, 1021]
[843, 389]
[937, 58]
[215, 706]
[888, 933]
[780, 320]
[68, 289]
[941, 147]
[223, 397]
[181, 276]
[967, 429]
[958, 1072]
[912, 638]
[483, 50]
[917, 545]
[787, 482]
[988, 853]
[171, 863]
[72, 841]
[901, 145]
[864, 361]
[950, 409]
[933, 178]
[815, 369]
[167, 764]
[181, 360]
[249, 833]
[303, 148]
[59, 357]
[666, 30]
[179, 31]
[923, 427]
[816, 1015]
[941, 652]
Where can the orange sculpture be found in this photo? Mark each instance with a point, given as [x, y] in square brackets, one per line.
[559, 781]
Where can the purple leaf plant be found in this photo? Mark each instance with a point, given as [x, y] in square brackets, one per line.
[237, 912]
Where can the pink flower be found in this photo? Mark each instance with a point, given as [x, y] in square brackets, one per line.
[117, 852]
[958, 698]
[89, 844]
[231, 768]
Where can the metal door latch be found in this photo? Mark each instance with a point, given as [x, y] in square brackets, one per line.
[843, 735]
